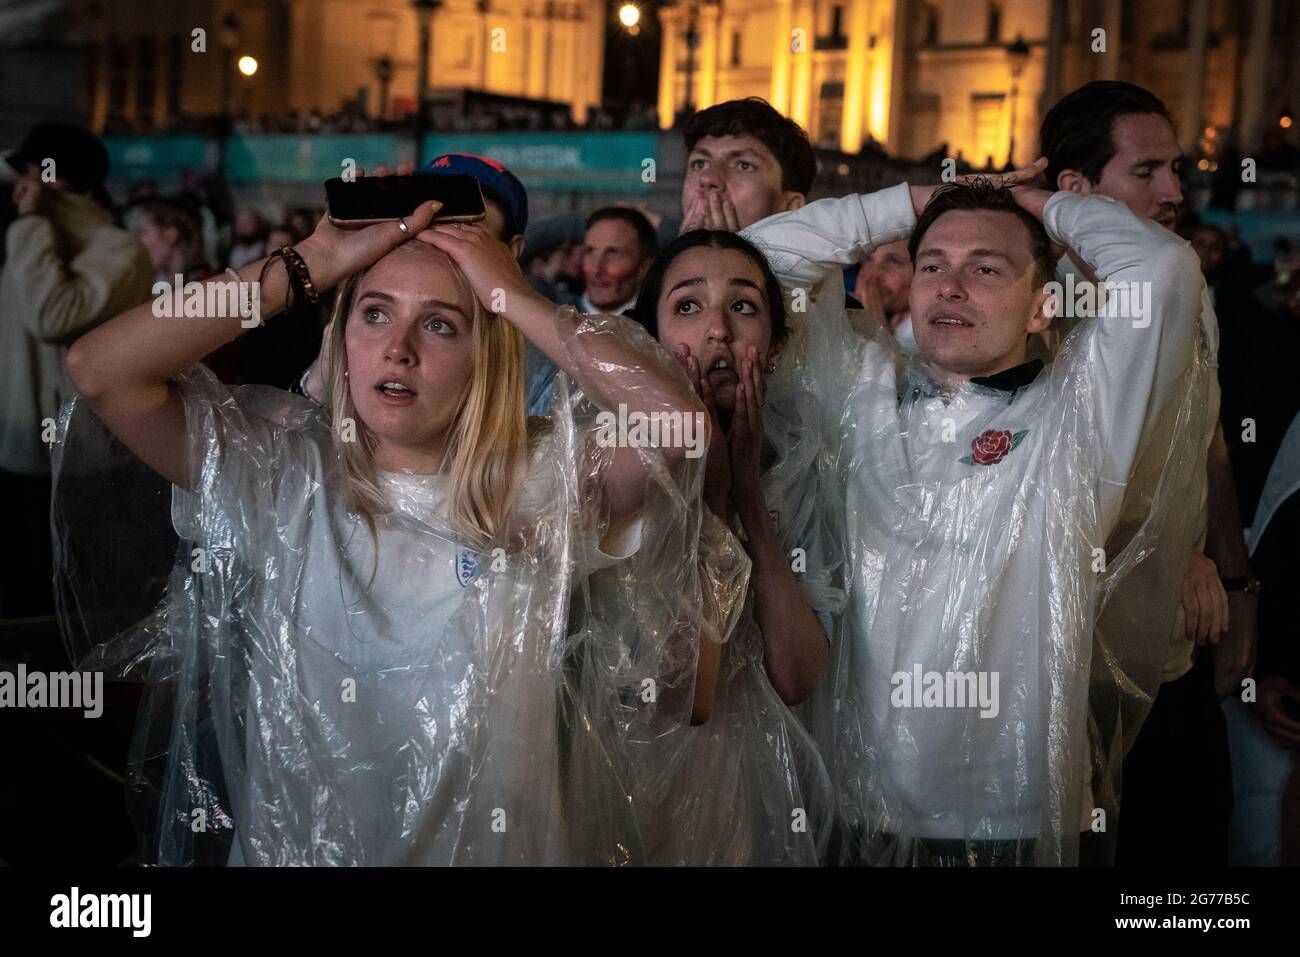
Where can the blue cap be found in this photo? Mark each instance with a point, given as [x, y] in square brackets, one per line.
[498, 184]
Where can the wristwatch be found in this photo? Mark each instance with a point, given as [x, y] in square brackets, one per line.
[1247, 583]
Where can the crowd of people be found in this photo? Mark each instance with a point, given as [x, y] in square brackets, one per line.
[846, 532]
[474, 117]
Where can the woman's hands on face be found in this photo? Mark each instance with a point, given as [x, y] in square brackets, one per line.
[745, 440]
[734, 468]
[717, 468]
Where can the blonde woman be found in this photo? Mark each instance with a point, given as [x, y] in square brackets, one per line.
[359, 656]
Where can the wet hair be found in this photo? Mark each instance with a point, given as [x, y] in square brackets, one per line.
[1078, 132]
[647, 239]
[754, 116]
[982, 195]
[646, 311]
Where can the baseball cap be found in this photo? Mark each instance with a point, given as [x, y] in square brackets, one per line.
[79, 155]
[498, 184]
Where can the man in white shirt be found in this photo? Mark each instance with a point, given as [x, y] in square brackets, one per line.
[977, 488]
[1115, 139]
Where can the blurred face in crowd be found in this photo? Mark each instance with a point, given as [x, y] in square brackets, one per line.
[279, 237]
[977, 293]
[743, 169]
[160, 243]
[612, 264]
[1210, 248]
[889, 269]
[247, 224]
[1143, 173]
[713, 302]
[409, 344]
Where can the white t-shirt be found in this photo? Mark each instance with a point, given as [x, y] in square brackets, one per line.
[971, 521]
[366, 697]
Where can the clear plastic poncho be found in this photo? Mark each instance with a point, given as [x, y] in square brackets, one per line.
[971, 707]
[314, 701]
[747, 786]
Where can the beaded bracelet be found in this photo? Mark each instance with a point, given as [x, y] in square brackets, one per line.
[298, 271]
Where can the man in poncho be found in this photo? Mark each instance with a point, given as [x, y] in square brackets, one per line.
[979, 491]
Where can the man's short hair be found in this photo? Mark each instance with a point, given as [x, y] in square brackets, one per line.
[754, 116]
[1077, 132]
[646, 238]
[982, 195]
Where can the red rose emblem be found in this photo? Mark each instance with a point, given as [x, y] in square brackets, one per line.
[990, 447]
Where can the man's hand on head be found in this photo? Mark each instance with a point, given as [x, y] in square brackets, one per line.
[921, 195]
[1031, 199]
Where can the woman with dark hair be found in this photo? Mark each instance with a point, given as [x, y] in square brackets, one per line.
[742, 783]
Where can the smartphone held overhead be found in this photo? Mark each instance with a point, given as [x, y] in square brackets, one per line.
[377, 199]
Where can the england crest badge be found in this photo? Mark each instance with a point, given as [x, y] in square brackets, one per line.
[466, 565]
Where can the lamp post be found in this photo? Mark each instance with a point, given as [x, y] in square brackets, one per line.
[692, 41]
[229, 40]
[384, 74]
[424, 11]
[1017, 56]
[484, 7]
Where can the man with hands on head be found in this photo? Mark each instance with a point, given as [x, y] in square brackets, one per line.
[975, 486]
[1116, 139]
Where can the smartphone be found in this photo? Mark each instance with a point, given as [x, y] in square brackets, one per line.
[384, 199]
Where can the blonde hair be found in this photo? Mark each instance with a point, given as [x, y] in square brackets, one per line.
[487, 449]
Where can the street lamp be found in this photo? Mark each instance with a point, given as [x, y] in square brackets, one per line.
[692, 41]
[1017, 57]
[629, 15]
[424, 11]
[247, 65]
[229, 40]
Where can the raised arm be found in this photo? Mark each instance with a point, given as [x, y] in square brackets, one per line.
[803, 245]
[125, 367]
[1135, 360]
[613, 369]
[63, 297]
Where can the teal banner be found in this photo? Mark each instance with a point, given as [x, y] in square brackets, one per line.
[602, 162]
[309, 159]
[161, 158]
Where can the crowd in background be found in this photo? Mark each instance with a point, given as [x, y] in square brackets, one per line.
[596, 263]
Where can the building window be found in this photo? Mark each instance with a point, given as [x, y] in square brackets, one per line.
[735, 48]
[93, 57]
[931, 24]
[146, 79]
[986, 127]
[830, 112]
[993, 33]
[837, 22]
[119, 71]
[175, 66]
